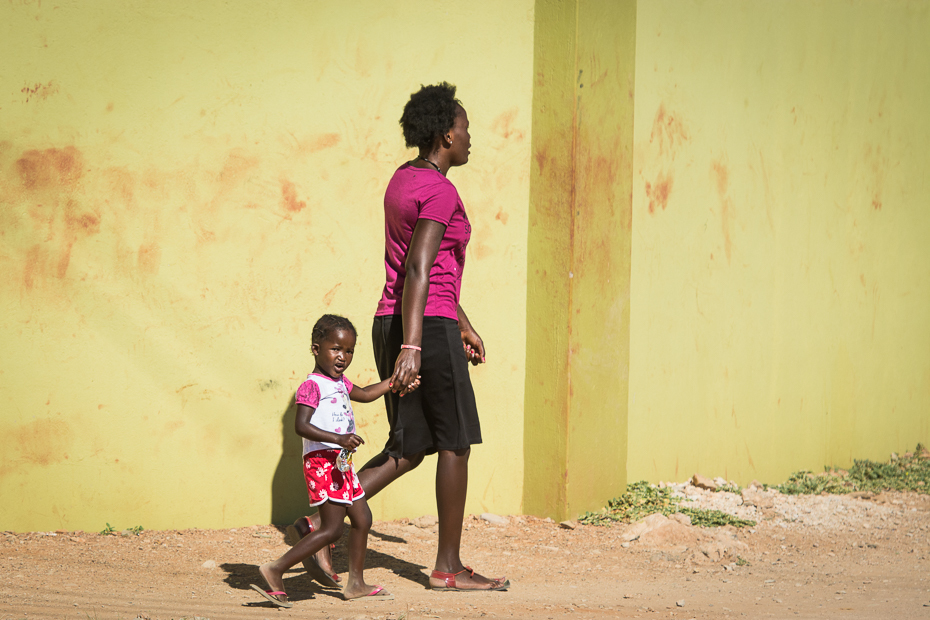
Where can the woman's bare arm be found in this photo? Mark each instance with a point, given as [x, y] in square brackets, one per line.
[424, 246]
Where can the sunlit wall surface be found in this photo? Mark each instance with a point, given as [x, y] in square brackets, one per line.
[781, 215]
[184, 189]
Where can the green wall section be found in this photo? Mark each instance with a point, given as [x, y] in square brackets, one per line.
[781, 218]
[549, 246]
[579, 256]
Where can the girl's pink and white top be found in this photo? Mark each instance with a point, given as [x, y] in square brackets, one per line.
[333, 412]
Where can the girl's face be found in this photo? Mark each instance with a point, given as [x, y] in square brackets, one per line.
[334, 353]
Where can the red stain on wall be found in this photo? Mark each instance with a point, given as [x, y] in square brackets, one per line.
[318, 143]
[121, 185]
[541, 158]
[75, 225]
[40, 91]
[46, 187]
[328, 297]
[502, 125]
[722, 176]
[85, 223]
[289, 197]
[148, 257]
[238, 164]
[668, 131]
[658, 194]
[42, 442]
[49, 168]
[878, 164]
[33, 265]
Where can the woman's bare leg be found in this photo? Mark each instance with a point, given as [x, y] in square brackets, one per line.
[451, 489]
[382, 470]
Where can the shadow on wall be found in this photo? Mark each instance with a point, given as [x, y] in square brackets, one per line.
[288, 489]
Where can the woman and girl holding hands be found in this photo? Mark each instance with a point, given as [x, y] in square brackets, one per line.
[423, 343]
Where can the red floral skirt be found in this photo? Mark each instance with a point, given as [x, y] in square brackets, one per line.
[326, 483]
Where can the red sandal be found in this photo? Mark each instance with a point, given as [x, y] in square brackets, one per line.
[278, 597]
[449, 579]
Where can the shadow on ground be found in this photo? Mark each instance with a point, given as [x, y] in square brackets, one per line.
[300, 586]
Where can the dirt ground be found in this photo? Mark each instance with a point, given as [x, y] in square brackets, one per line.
[807, 557]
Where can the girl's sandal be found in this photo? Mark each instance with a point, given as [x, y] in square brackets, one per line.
[279, 598]
[450, 586]
[378, 593]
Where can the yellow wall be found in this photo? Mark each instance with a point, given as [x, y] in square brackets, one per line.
[781, 264]
[579, 256]
[184, 188]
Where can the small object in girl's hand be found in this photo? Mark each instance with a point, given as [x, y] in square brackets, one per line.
[344, 460]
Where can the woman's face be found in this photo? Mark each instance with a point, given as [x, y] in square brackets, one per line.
[460, 138]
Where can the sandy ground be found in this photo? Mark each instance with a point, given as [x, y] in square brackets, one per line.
[807, 557]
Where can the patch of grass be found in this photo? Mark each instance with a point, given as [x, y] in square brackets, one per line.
[136, 530]
[642, 499]
[109, 529]
[706, 517]
[910, 472]
[809, 483]
[728, 488]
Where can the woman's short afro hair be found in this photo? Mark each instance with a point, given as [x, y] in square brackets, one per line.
[429, 113]
[329, 323]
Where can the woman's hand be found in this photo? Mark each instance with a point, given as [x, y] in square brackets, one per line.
[474, 345]
[406, 378]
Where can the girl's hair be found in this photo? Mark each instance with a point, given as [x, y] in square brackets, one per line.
[429, 113]
[329, 323]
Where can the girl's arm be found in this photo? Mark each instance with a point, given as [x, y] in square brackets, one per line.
[375, 391]
[370, 393]
[303, 428]
[474, 345]
[424, 246]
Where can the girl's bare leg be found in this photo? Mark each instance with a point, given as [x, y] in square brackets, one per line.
[377, 473]
[451, 488]
[360, 518]
[330, 530]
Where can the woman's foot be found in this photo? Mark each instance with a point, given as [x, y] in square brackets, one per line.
[465, 580]
[321, 561]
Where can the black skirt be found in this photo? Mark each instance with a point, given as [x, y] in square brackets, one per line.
[441, 414]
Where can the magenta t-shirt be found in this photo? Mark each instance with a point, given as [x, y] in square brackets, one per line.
[414, 194]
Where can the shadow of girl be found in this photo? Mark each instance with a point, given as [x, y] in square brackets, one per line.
[299, 586]
[288, 489]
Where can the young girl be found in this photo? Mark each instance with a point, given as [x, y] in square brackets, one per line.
[327, 425]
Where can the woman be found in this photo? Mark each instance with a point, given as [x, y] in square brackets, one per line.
[421, 330]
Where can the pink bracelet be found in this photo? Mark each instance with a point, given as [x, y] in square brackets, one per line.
[410, 346]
